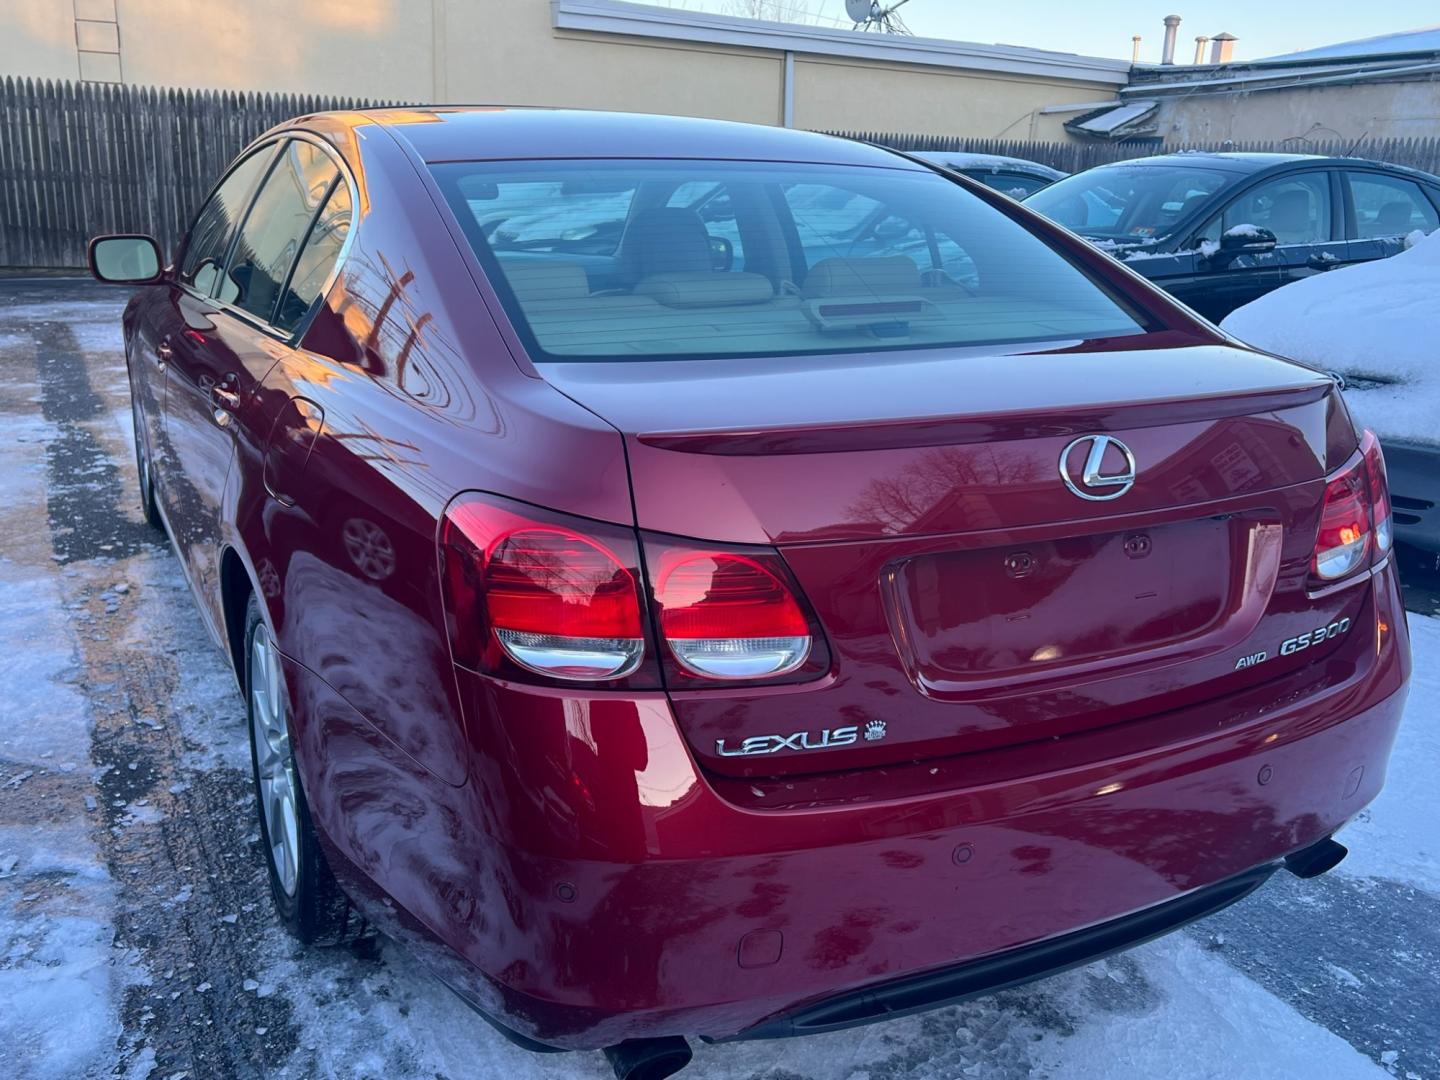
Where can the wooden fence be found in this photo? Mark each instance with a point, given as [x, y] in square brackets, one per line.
[1075, 157]
[86, 158]
[78, 159]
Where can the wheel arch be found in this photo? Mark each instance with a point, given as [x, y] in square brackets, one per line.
[236, 588]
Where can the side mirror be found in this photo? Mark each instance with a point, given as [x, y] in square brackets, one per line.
[722, 253]
[1246, 240]
[124, 259]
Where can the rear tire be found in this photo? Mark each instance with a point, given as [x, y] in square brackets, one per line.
[142, 469]
[307, 897]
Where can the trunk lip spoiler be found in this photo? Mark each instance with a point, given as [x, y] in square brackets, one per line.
[1029, 423]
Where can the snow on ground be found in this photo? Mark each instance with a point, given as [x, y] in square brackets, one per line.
[1376, 321]
[136, 938]
[1398, 835]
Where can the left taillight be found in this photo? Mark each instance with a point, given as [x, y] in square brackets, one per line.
[531, 592]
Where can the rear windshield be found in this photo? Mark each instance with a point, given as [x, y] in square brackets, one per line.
[1129, 203]
[631, 260]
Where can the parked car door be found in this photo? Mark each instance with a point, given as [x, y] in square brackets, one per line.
[229, 345]
[1380, 211]
[1298, 208]
[182, 326]
[1304, 214]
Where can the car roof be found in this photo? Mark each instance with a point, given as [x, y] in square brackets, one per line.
[483, 133]
[1249, 162]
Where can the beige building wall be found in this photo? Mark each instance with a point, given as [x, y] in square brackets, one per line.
[1382, 110]
[510, 52]
[836, 94]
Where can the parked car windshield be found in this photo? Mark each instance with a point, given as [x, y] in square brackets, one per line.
[1129, 203]
[615, 260]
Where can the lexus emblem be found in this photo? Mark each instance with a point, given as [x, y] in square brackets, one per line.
[1083, 464]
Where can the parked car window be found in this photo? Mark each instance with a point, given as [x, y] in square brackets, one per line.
[317, 258]
[1295, 208]
[215, 224]
[277, 224]
[1389, 205]
[1128, 202]
[867, 264]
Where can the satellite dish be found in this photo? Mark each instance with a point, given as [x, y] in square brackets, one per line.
[877, 15]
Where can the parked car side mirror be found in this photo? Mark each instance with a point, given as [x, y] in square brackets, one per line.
[722, 253]
[1247, 240]
[124, 259]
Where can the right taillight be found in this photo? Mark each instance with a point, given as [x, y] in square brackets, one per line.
[1355, 518]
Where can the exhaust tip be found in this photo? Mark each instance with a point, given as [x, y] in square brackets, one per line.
[648, 1059]
[1316, 859]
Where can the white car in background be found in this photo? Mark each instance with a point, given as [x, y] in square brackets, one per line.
[1376, 324]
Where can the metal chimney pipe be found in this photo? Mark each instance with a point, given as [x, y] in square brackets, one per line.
[1200, 43]
[1222, 48]
[1135, 49]
[1172, 30]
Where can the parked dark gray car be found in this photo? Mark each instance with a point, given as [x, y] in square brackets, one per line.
[1220, 230]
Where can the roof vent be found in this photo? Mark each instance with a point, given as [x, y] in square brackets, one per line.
[1172, 30]
[1200, 43]
[1222, 48]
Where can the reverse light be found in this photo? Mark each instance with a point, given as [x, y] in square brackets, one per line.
[726, 615]
[548, 594]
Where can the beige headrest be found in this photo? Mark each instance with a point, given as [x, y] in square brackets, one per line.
[706, 288]
[884, 275]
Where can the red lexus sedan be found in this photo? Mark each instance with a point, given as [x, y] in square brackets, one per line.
[693, 579]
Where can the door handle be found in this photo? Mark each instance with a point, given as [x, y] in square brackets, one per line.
[224, 401]
[1320, 262]
[163, 354]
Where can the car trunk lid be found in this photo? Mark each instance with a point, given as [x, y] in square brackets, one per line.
[971, 597]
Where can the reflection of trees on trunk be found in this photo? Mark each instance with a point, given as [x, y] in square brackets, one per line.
[937, 483]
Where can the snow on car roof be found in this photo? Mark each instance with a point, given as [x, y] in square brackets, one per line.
[960, 160]
[1374, 323]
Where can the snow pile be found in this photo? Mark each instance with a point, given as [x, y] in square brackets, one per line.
[1376, 323]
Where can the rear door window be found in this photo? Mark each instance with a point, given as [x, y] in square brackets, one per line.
[276, 227]
[216, 222]
[1388, 205]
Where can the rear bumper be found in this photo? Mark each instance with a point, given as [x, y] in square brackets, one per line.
[974, 978]
[589, 884]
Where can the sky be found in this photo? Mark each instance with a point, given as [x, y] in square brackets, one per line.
[1104, 27]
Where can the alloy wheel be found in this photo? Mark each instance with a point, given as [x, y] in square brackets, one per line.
[275, 763]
